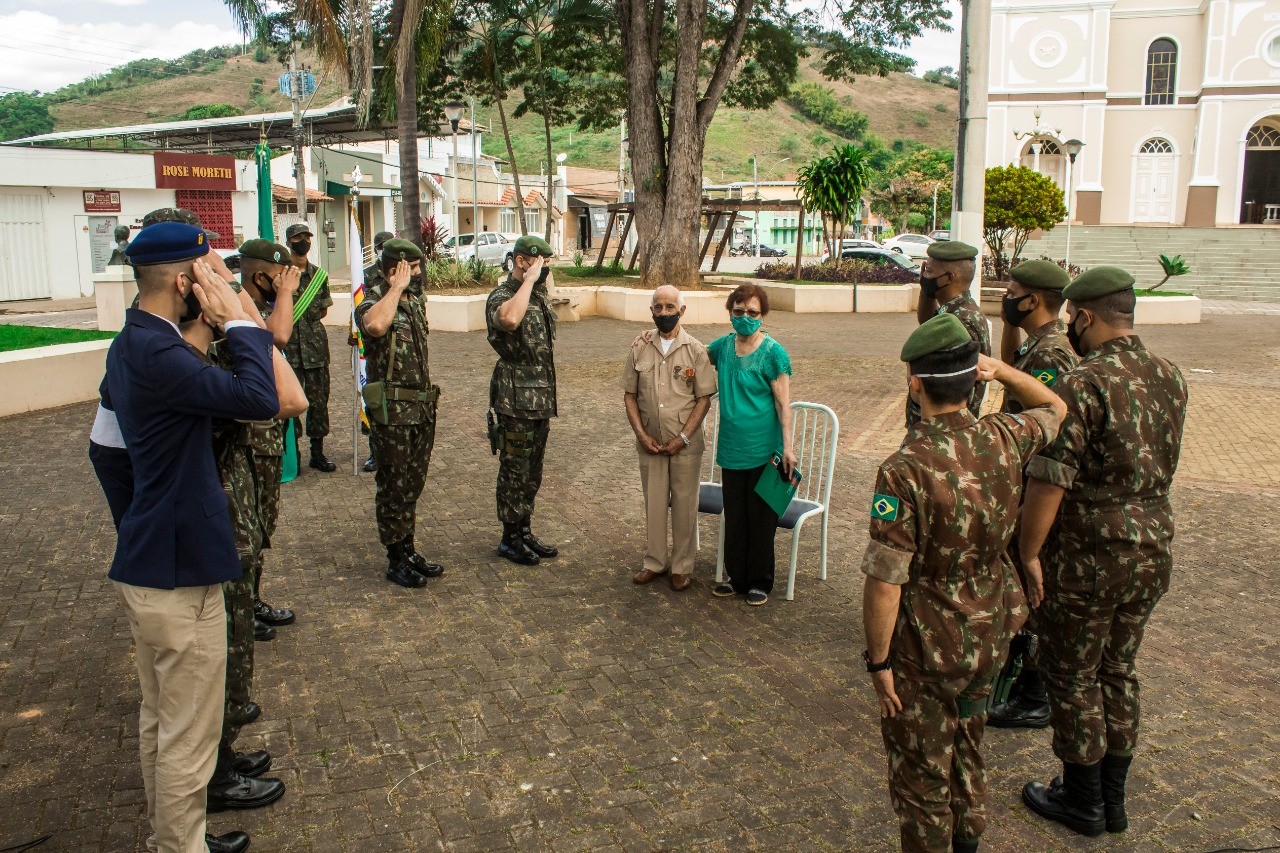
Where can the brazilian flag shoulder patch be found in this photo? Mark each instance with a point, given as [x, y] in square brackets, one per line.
[884, 507]
[1047, 376]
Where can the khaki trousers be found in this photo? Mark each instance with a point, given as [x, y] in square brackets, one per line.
[181, 640]
[671, 486]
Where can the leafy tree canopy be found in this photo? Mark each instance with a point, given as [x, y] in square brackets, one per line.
[23, 114]
[1018, 201]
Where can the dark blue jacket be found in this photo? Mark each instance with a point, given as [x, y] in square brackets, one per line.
[176, 531]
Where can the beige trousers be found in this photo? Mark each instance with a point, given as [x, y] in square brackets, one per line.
[670, 487]
[181, 648]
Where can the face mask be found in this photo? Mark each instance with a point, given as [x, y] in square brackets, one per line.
[929, 284]
[666, 322]
[268, 291]
[301, 247]
[745, 325]
[415, 284]
[1012, 314]
[1074, 338]
[542, 276]
[191, 309]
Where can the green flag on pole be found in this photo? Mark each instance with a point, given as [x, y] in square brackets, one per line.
[266, 226]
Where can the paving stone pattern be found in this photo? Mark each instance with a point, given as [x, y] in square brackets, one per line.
[563, 708]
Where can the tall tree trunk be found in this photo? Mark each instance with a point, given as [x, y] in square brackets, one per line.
[506, 137]
[407, 125]
[546, 127]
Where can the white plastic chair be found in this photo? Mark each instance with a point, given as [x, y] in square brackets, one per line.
[710, 494]
[816, 432]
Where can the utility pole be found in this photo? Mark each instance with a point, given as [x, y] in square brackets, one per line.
[475, 192]
[971, 140]
[299, 166]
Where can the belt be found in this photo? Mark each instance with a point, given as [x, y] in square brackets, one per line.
[409, 395]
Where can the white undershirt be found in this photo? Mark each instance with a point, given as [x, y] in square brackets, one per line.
[665, 345]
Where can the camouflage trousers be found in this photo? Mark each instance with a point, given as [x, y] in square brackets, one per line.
[937, 781]
[315, 384]
[238, 594]
[520, 466]
[1090, 631]
[266, 485]
[402, 453]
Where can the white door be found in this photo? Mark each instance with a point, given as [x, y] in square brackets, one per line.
[24, 272]
[1153, 188]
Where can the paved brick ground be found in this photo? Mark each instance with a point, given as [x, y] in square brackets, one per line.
[563, 708]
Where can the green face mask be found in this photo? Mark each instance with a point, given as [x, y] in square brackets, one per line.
[745, 325]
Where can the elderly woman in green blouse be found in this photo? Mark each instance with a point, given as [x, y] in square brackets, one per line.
[754, 376]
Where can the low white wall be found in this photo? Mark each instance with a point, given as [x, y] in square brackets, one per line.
[1167, 310]
[887, 298]
[456, 313]
[46, 377]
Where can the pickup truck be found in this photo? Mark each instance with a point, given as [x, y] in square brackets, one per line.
[493, 248]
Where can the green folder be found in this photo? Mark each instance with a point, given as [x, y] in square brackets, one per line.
[777, 490]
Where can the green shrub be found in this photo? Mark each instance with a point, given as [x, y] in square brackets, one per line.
[816, 102]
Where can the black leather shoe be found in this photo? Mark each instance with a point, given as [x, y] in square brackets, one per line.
[369, 465]
[1074, 800]
[418, 563]
[514, 549]
[232, 842]
[1025, 711]
[262, 632]
[252, 764]
[319, 461]
[400, 570]
[269, 615]
[249, 714]
[534, 544]
[233, 790]
[958, 846]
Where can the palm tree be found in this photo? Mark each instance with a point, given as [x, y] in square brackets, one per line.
[833, 186]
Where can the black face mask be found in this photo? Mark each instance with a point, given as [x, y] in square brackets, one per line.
[1074, 338]
[268, 290]
[666, 322]
[301, 247]
[1012, 314]
[191, 309]
[415, 284]
[929, 284]
[542, 276]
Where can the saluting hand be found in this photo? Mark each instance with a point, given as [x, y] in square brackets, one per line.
[218, 302]
[287, 282]
[400, 275]
[890, 704]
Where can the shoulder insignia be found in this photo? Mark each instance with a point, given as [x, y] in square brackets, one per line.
[1047, 376]
[884, 508]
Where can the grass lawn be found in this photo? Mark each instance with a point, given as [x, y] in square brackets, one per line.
[27, 337]
[1162, 292]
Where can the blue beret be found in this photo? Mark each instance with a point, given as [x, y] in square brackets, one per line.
[166, 243]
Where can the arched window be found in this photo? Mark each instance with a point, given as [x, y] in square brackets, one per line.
[1156, 146]
[1263, 137]
[1162, 67]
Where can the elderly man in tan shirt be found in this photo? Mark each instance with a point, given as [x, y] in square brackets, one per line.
[667, 385]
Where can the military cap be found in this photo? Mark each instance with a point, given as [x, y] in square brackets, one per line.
[951, 250]
[297, 228]
[166, 243]
[176, 214]
[380, 238]
[940, 332]
[1098, 282]
[1040, 275]
[397, 249]
[265, 250]
[533, 247]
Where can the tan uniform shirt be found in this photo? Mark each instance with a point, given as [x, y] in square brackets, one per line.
[667, 386]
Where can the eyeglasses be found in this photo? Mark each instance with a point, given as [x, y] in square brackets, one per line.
[744, 312]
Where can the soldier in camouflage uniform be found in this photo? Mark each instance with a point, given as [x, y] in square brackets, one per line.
[941, 598]
[271, 281]
[370, 273]
[308, 347]
[522, 394]
[951, 262]
[393, 321]
[1032, 303]
[1106, 480]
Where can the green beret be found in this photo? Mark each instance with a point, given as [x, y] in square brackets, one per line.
[533, 247]
[1096, 283]
[939, 332]
[951, 250]
[264, 250]
[1040, 275]
[397, 249]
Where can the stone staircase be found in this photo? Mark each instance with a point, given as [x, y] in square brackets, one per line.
[1226, 263]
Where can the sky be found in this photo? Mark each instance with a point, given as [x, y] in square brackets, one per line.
[45, 44]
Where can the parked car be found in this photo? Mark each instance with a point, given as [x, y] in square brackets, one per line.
[876, 255]
[940, 234]
[493, 248]
[766, 251]
[911, 245]
[846, 245]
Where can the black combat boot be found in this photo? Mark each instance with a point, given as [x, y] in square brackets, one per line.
[958, 846]
[1115, 769]
[513, 547]
[318, 460]
[231, 842]
[269, 615]
[252, 764]
[262, 632]
[1074, 800]
[399, 570]
[417, 562]
[1028, 708]
[230, 789]
[537, 546]
[248, 715]
[370, 466]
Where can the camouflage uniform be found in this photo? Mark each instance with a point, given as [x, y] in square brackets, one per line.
[975, 321]
[308, 354]
[1046, 354]
[944, 509]
[235, 470]
[1108, 563]
[522, 393]
[402, 447]
[265, 441]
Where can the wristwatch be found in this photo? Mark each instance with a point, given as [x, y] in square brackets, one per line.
[685, 439]
[876, 667]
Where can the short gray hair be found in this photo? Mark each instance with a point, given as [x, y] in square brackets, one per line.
[679, 294]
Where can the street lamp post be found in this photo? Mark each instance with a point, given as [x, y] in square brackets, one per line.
[453, 112]
[1073, 147]
[755, 179]
[475, 190]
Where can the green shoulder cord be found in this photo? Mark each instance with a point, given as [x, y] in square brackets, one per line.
[309, 295]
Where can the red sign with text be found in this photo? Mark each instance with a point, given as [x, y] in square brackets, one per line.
[195, 172]
[101, 201]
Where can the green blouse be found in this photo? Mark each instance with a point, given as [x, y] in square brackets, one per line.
[749, 431]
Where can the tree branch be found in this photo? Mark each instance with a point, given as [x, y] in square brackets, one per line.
[730, 53]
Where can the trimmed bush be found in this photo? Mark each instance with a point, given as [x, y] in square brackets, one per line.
[840, 272]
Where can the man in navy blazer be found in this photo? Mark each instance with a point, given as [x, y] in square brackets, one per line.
[175, 545]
